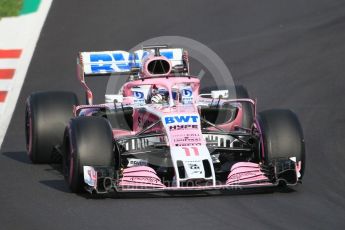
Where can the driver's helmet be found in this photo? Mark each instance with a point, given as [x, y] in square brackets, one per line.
[159, 95]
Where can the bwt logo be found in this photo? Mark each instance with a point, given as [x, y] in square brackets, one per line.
[187, 93]
[181, 119]
[139, 95]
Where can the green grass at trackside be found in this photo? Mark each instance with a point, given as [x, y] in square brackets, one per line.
[10, 7]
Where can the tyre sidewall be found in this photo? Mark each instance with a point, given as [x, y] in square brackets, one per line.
[87, 148]
[282, 136]
[48, 114]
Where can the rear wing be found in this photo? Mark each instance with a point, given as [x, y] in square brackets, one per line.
[118, 62]
[122, 62]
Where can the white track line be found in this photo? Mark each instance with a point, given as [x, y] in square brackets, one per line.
[5, 85]
[8, 63]
[29, 45]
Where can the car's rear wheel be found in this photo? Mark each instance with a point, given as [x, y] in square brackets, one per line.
[282, 136]
[88, 141]
[46, 116]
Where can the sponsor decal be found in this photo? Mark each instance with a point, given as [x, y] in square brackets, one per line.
[150, 180]
[184, 135]
[136, 162]
[189, 150]
[93, 174]
[181, 119]
[121, 61]
[139, 97]
[187, 95]
[90, 176]
[194, 168]
[182, 131]
[182, 127]
[187, 137]
[191, 140]
[187, 144]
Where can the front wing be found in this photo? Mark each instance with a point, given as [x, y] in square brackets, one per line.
[243, 175]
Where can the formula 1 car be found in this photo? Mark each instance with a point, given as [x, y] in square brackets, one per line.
[161, 131]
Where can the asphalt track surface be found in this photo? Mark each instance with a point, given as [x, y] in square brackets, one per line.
[289, 54]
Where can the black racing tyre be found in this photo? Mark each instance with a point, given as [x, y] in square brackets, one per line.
[46, 117]
[88, 141]
[241, 93]
[282, 136]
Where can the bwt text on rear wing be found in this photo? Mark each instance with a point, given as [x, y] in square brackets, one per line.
[122, 62]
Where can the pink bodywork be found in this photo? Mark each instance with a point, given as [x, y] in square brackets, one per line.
[166, 82]
[144, 177]
[140, 176]
[242, 174]
[246, 173]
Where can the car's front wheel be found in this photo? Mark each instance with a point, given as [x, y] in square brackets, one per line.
[282, 136]
[88, 141]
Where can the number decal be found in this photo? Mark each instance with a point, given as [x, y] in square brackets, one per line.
[188, 151]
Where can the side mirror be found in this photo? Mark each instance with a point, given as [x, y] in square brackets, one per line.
[216, 94]
[179, 69]
[110, 98]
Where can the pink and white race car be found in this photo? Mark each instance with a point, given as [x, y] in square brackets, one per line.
[159, 133]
